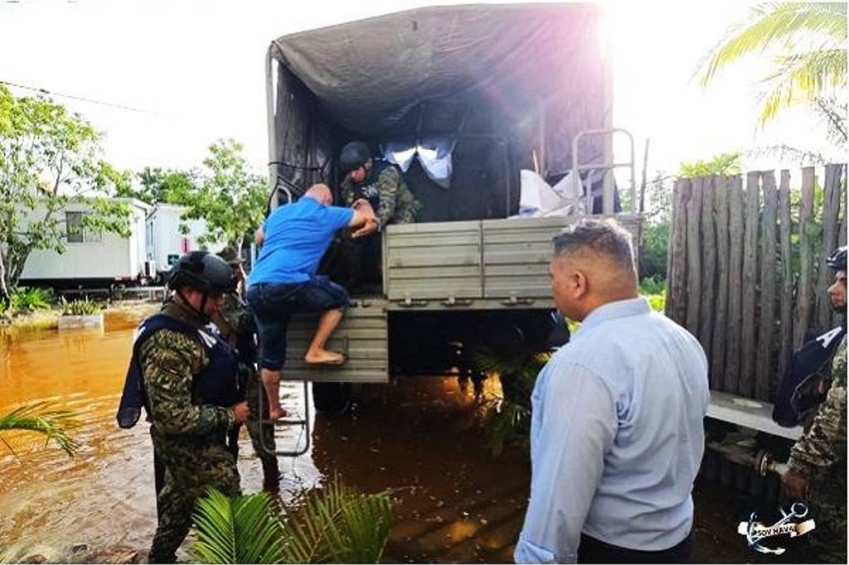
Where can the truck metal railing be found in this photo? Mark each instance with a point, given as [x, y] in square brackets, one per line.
[607, 194]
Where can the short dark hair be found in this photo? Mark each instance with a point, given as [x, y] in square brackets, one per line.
[603, 237]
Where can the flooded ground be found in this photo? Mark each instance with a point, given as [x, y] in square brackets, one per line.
[419, 437]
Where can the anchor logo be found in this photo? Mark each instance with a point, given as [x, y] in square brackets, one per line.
[756, 531]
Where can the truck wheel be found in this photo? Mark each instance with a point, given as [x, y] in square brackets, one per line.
[331, 398]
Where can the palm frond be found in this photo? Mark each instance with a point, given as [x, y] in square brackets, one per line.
[241, 529]
[38, 418]
[338, 525]
[777, 24]
[803, 77]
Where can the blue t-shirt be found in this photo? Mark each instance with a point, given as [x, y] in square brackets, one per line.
[296, 236]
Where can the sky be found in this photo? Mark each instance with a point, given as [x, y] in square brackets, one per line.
[189, 73]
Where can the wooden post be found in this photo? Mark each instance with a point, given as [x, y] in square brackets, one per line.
[735, 279]
[765, 366]
[708, 247]
[669, 247]
[750, 283]
[786, 338]
[830, 218]
[679, 252]
[694, 251]
[720, 326]
[803, 296]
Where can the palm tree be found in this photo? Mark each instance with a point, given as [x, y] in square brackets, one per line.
[53, 424]
[811, 62]
[332, 525]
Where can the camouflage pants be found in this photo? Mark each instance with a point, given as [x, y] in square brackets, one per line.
[827, 499]
[192, 466]
[262, 435]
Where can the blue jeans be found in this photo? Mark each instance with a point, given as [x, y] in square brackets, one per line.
[272, 305]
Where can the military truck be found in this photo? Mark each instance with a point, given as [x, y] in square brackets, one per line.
[488, 91]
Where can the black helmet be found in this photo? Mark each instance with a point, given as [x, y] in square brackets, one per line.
[202, 271]
[353, 155]
[837, 260]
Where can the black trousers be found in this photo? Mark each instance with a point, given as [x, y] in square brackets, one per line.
[593, 550]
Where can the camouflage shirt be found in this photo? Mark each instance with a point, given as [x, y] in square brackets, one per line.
[170, 360]
[824, 444]
[395, 204]
[235, 319]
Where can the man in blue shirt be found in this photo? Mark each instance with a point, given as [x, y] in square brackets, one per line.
[284, 280]
[616, 432]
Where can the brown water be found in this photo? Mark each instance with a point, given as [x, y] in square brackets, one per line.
[419, 437]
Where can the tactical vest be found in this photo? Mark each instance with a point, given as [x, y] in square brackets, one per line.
[806, 381]
[216, 384]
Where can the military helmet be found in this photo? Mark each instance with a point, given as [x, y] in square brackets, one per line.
[354, 155]
[202, 271]
[837, 260]
[230, 255]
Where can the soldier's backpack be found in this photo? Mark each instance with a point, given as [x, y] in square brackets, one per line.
[806, 381]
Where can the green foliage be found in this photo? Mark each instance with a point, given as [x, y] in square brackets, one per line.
[79, 307]
[49, 158]
[338, 525]
[38, 418]
[807, 44]
[508, 421]
[31, 299]
[653, 285]
[654, 246]
[229, 197]
[158, 185]
[722, 164]
[331, 525]
[657, 302]
[242, 529]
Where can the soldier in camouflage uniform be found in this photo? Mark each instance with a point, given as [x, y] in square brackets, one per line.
[238, 328]
[817, 462]
[381, 183]
[189, 382]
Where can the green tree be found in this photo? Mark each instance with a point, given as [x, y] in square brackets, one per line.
[158, 185]
[809, 40]
[48, 159]
[228, 195]
[721, 164]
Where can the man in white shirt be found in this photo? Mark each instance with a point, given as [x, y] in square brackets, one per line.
[617, 428]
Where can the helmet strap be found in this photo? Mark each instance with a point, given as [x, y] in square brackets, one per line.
[188, 305]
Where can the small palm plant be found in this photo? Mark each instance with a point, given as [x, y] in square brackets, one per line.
[508, 421]
[241, 529]
[39, 418]
[79, 307]
[332, 525]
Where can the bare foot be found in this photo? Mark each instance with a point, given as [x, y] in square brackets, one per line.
[324, 357]
[276, 414]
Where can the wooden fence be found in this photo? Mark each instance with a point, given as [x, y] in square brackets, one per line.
[746, 272]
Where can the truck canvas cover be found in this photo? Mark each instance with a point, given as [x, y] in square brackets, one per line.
[532, 75]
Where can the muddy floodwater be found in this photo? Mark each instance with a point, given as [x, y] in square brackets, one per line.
[419, 437]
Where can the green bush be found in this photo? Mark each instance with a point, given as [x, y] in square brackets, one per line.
[653, 285]
[31, 299]
[79, 307]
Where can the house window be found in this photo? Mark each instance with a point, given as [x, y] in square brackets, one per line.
[76, 232]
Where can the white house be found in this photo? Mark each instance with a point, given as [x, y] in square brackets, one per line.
[91, 257]
[166, 242]
[101, 259]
